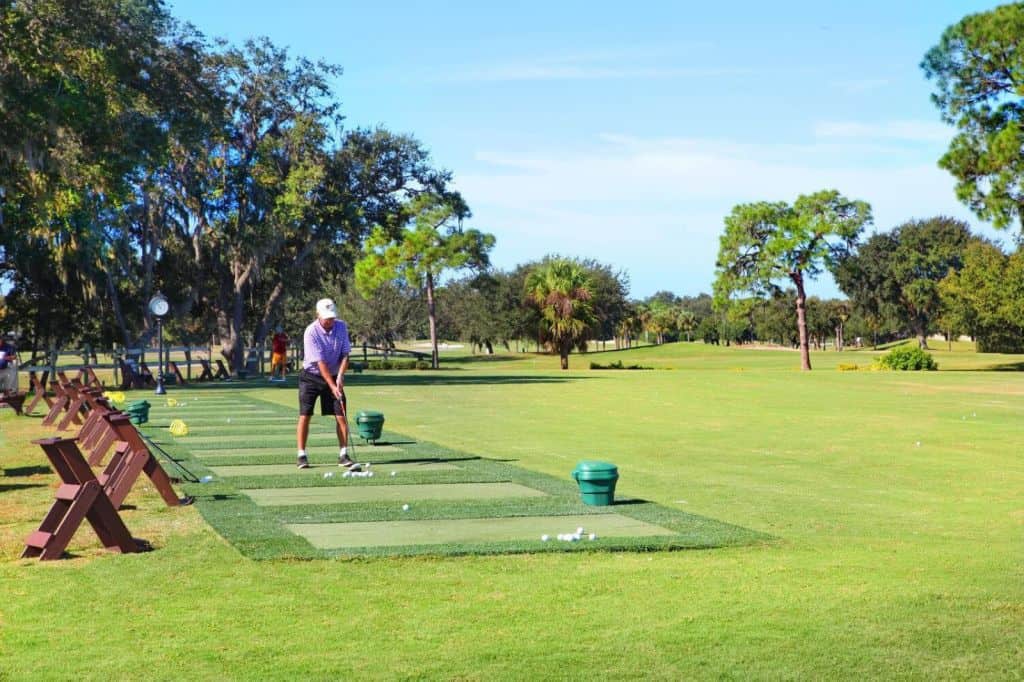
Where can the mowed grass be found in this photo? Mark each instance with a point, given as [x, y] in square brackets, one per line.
[896, 501]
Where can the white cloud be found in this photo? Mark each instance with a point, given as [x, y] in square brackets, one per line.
[909, 131]
[655, 205]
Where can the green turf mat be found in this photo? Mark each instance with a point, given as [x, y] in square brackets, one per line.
[217, 421]
[320, 469]
[349, 491]
[285, 440]
[324, 454]
[440, 532]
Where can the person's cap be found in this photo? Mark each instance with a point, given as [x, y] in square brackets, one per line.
[279, 329]
[325, 309]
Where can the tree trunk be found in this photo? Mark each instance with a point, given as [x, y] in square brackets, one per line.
[115, 303]
[801, 320]
[922, 339]
[432, 315]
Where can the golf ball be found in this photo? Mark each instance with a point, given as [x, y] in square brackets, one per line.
[405, 507]
[328, 474]
[370, 474]
[545, 538]
[579, 531]
[593, 536]
[346, 474]
[393, 473]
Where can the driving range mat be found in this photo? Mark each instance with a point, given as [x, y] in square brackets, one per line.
[422, 498]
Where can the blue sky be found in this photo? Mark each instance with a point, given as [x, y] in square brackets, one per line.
[625, 132]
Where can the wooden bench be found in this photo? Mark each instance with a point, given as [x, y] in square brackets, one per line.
[15, 401]
[173, 367]
[207, 374]
[80, 497]
[39, 394]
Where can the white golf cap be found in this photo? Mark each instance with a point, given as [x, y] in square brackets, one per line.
[325, 309]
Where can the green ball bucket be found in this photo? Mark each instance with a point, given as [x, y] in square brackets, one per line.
[597, 482]
[370, 424]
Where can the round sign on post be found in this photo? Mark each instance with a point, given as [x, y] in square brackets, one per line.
[160, 306]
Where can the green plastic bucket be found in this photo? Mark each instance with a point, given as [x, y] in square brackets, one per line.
[597, 482]
[137, 411]
[370, 424]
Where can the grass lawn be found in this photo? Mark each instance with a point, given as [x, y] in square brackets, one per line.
[895, 501]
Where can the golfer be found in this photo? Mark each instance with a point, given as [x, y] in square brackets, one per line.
[325, 347]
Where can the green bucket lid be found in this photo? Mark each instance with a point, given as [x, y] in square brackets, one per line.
[370, 414]
[594, 467]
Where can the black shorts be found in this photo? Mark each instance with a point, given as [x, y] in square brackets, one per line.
[313, 386]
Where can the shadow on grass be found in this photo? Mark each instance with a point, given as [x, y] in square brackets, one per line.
[28, 471]
[1005, 367]
[431, 460]
[484, 359]
[5, 488]
[441, 378]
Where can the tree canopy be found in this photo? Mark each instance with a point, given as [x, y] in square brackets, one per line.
[978, 69]
[898, 273]
[766, 244]
[432, 243]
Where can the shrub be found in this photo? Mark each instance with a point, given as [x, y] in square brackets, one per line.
[907, 359]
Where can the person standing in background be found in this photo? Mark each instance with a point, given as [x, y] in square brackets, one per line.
[279, 355]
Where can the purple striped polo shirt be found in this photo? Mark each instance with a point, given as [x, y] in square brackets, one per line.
[331, 347]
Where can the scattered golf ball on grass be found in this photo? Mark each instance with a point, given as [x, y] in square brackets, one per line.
[545, 538]
[405, 507]
[393, 473]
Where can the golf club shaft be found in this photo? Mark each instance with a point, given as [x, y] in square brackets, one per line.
[188, 474]
[348, 427]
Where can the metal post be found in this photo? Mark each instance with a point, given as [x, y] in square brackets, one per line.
[160, 390]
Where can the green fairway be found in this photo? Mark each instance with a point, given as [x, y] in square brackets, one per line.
[893, 500]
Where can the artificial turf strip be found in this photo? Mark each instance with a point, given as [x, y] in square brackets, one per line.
[320, 469]
[463, 531]
[259, 532]
[351, 491]
[250, 441]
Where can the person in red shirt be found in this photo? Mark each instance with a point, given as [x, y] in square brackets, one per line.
[279, 355]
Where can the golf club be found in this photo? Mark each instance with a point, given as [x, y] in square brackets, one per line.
[348, 427]
[189, 476]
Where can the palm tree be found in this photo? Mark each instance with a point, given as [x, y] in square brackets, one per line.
[561, 290]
